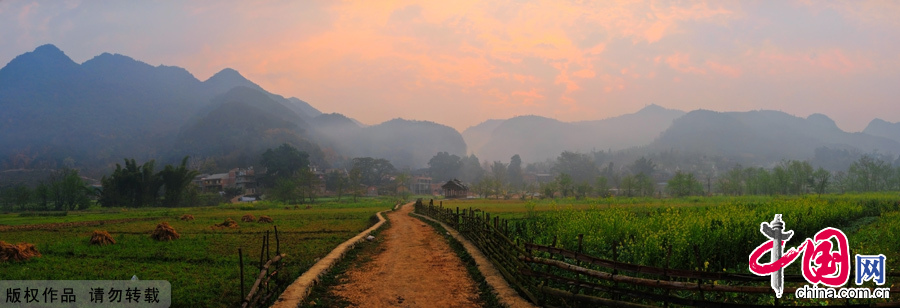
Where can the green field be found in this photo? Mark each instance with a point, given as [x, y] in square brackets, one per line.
[724, 229]
[202, 265]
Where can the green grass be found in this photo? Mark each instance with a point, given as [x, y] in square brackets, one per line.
[202, 265]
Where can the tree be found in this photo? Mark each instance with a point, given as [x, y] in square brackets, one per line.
[514, 171]
[354, 180]
[820, 180]
[732, 182]
[308, 183]
[283, 162]
[471, 170]
[373, 172]
[336, 181]
[602, 186]
[401, 184]
[582, 190]
[869, 174]
[444, 166]
[645, 186]
[549, 189]
[176, 181]
[643, 165]
[580, 167]
[132, 186]
[285, 190]
[684, 184]
[564, 183]
[68, 191]
[498, 171]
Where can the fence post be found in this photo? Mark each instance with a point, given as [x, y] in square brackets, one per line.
[241, 260]
[699, 267]
[580, 239]
[277, 243]
[262, 250]
[267, 245]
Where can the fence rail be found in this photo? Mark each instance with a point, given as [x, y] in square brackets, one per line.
[546, 274]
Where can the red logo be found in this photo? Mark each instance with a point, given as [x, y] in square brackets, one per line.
[821, 262]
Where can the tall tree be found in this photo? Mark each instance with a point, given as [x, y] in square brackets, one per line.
[444, 167]
[337, 182]
[684, 184]
[374, 172]
[514, 172]
[176, 181]
[643, 165]
[471, 169]
[580, 167]
[498, 172]
[283, 162]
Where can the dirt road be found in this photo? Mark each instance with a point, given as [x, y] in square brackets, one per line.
[416, 268]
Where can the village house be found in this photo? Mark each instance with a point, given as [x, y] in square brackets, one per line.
[455, 189]
[420, 185]
[244, 179]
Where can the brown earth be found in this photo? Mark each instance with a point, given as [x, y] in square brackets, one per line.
[414, 268]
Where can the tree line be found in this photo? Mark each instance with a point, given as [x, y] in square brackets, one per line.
[581, 175]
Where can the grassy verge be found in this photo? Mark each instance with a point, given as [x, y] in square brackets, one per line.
[359, 256]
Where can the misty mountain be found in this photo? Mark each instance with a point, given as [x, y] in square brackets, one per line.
[243, 123]
[882, 128]
[104, 109]
[406, 143]
[537, 138]
[763, 137]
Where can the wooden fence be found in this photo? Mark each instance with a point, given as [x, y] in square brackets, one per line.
[550, 276]
[268, 269]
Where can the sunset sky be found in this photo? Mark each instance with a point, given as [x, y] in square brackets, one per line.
[462, 62]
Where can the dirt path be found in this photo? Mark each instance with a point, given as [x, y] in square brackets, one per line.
[415, 268]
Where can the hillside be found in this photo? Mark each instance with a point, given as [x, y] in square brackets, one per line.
[107, 108]
[763, 137]
[882, 128]
[537, 138]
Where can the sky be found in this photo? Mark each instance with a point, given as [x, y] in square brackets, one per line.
[462, 62]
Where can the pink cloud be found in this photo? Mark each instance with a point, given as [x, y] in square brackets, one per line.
[722, 69]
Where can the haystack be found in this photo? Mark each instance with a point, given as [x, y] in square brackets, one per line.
[248, 218]
[265, 219]
[164, 232]
[101, 237]
[187, 217]
[17, 252]
[228, 223]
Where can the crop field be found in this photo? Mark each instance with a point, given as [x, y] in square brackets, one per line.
[202, 266]
[724, 230]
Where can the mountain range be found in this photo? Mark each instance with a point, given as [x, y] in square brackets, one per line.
[92, 115]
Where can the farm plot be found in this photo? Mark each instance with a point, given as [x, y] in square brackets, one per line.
[202, 265]
[705, 235]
